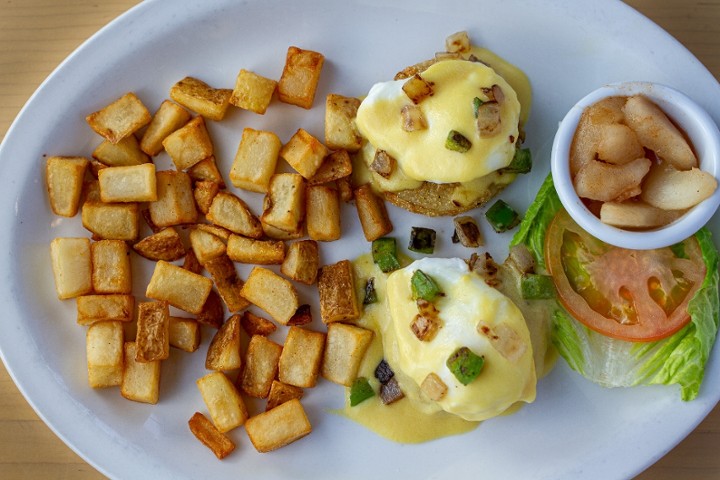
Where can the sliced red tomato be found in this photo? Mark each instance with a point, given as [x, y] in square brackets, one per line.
[635, 295]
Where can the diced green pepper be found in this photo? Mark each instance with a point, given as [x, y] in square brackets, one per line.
[502, 217]
[384, 253]
[537, 287]
[370, 293]
[457, 142]
[476, 105]
[423, 286]
[465, 365]
[521, 162]
[360, 391]
[422, 240]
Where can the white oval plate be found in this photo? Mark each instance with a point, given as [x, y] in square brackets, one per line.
[568, 48]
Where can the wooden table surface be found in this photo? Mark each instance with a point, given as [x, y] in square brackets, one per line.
[36, 35]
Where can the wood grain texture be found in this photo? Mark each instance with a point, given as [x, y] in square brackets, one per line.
[36, 35]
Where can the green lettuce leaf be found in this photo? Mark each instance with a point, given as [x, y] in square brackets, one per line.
[679, 359]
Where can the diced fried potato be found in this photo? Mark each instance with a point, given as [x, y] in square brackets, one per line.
[104, 349]
[105, 308]
[345, 189]
[372, 213]
[636, 215]
[201, 98]
[135, 183]
[278, 427]
[335, 166]
[223, 272]
[345, 347]
[64, 178]
[184, 333]
[72, 266]
[124, 153]
[304, 153]
[206, 245]
[433, 387]
[175, 204]
[191, 262]
[340, 129]
[272, 293]
[322, 213]
[221, 232]
[458, 42]
[229, 211]
[417, 88]
[301, 262]
[112, 221]
[300, 77]
[204, 193]
[121, 118]
[261, 366]
[277, 234]
[261, 252]
[189, 144]
[255, 160]
[180, 288]
[207, 170]
[95, 167]
[145, 212]
[226, 406]
[111, 271]
[224, 350]
[210, 436]
[301, 357]
[254, 325]
[336, 286]
[168, 118]
[671, 189]
[252, 92]
[163, 245]
[657, 132]
[302, 316]
[213, 311]
[605, 182]
[285, 202]
[618, 144]
[153, 340]
[281, 393]
[140, 381]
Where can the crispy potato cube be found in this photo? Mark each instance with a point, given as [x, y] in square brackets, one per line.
[433, 387]
[345, 347]
[372, 213]
[207, 170]
[111, 272]
[204, 193]
[224, 350]
[281, 393]
[128, 184]
[206, 245]
[277, 234]
[201, 98]
[340, 129]
[163, 245]
[261, 252]
[104, 348]
[253, 92]
[221, 232]
[304, 153]
[301, 357]
[104, 308]
[191, 262]
[223, 272]
[168, 118]
[184, 333]
[254, 325]
[175, 204]
[72, 266]
[112, 221]
[64, 177]
[336, 286]
[285, 202]
[278, 427]
[189, 144]
[300, 77]
[458, 42]
[210, 436]
[261, 366]
[335, 166]
[302, 316]
[230, 212]
[272, 293]
[322, 213]
[417, 88]
[226, 406]
[121, 118]
[301, 262]
[153, 340]
[140, 381]
[180, 288]
[213, 311]
[124, 153]
[255, 160]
